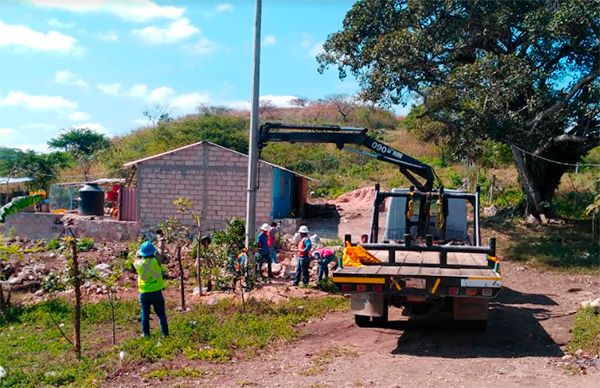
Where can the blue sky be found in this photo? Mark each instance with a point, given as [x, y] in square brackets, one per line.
[101, 63]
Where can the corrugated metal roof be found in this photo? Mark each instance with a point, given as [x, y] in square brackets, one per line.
[136, 162]
[13, 181]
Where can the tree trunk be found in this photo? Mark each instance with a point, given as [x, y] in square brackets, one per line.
[198, 266]
[181, 278]
[77, 308]
[530, 188]
[112, 315]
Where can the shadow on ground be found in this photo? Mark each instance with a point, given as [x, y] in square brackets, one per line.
[513, 331]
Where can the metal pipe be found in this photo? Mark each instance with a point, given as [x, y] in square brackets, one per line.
[476, 223]
[433, 248]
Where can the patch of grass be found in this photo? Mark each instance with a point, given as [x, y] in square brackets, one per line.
[327, 285]
[563, 247]
[215, 333]
[320, 360]
[586, 331]
[33, 352]
[163, 374]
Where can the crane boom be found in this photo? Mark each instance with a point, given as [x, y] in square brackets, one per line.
[341, 136]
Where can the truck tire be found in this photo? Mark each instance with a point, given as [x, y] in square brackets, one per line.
[383, 319]
[362, 320]
[475, 325]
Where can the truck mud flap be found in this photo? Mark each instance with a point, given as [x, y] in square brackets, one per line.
[368, 304]
[470, 309]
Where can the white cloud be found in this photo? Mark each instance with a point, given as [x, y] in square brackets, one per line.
[138, 90]
[5, 132]
[40, 102]
[55, 23]
[109, 36]
[93, 126]
[78, 116]
[65, 77]
[203, 46]
[276, 100]
[315, 49]
[113, 89]
[161, 94]
[178, 30]
[225, 7]
[141, 122]
[188, 102]
[116, 89]
[37, 147]
[131, 10]
[39, 126]
[24, 37]
[269, 40]
[307, 41]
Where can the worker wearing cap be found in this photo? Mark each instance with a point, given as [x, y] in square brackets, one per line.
[304, 247]
[264, 251]
[150, 285]
[323, 257]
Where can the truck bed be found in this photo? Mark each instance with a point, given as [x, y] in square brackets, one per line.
[419, 274]
[400, 270]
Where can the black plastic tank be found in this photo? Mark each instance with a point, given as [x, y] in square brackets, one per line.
[91, 200]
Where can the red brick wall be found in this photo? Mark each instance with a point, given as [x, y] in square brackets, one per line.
[212, 177]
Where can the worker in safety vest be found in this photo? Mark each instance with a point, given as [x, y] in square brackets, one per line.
[323, 257]
[263, 251]
[304, 247]
[150, 285]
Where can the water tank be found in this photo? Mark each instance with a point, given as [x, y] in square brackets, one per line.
[91, 200]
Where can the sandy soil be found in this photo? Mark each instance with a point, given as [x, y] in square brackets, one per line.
[529, 328]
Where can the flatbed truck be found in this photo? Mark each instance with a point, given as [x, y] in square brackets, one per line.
[431, 259]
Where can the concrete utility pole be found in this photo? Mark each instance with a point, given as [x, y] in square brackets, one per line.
[253, 143]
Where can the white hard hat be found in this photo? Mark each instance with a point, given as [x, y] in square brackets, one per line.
[303, 229]
[265, 227]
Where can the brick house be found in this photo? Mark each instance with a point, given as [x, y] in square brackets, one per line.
[214, 178]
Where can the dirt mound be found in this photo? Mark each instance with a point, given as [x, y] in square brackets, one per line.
[359, 197]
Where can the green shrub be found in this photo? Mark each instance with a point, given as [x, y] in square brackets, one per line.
[85, 244]
[53, 244]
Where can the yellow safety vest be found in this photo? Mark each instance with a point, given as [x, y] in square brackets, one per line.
[149, 274]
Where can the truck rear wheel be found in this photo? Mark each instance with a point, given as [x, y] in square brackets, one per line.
[362, 320]
[479, 325]
[383, 319]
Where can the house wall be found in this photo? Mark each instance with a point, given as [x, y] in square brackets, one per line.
[213, 178]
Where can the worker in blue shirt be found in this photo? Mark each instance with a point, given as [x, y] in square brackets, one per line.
[263, 251]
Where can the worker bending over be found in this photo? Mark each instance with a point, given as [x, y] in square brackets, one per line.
[150, 285]
[323, 257]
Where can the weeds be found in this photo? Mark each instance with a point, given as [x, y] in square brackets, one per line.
[586, 331]
[320, 360]
[33, 351]
[163, 374]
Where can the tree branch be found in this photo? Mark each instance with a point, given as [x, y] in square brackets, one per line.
[554, 108]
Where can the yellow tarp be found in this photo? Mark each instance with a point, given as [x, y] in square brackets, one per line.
[357, 256]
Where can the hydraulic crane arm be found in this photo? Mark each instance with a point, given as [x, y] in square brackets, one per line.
[342, 136]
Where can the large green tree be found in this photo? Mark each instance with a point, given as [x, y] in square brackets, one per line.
[525, 73]
[42, 168]
[83, 144]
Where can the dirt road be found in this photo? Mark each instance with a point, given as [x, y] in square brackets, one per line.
[529, 328]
